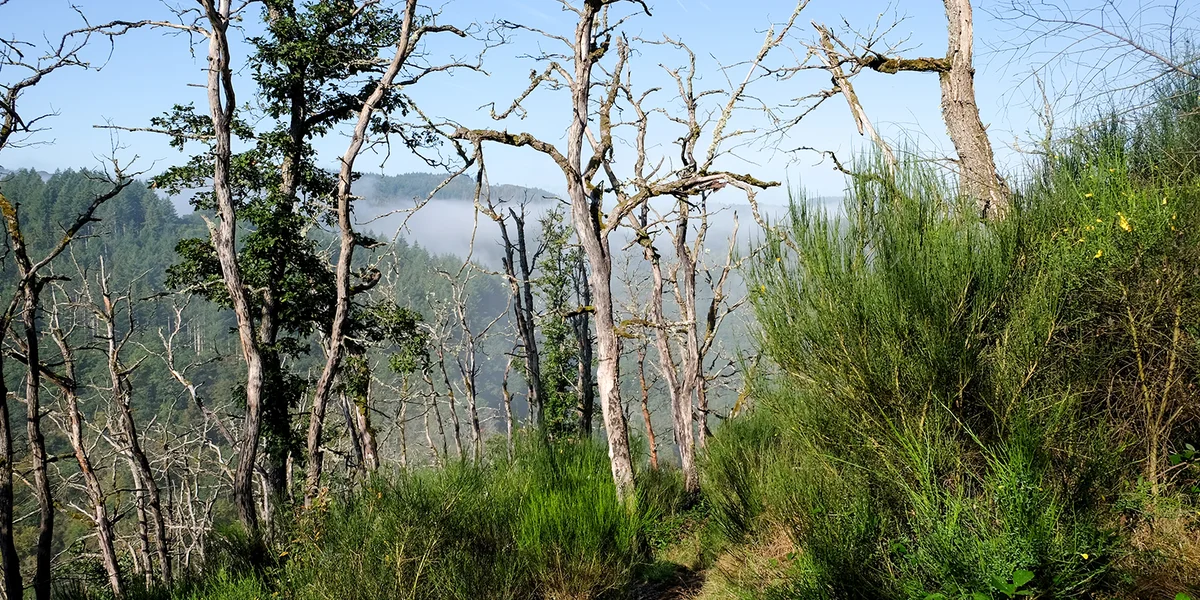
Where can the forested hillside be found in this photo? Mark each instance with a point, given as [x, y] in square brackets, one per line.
[974, 377]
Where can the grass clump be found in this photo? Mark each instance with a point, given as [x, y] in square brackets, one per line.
[544, 524]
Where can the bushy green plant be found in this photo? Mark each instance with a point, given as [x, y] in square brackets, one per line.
[952, 401]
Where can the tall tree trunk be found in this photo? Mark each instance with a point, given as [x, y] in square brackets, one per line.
[581, 323]
[95, 493]
[43, 553]
[121, 392]
[518, 274]
[977, 165]
[692, 361]
[651, 443]
[586, 206]
[222, 105]
[346, 253]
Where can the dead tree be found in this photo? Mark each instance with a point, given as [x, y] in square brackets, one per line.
[978, 177]
[585, 383]
[61, 329]
[27, 296]
[518, 264]
[651, 443]
[116, 336]
[16, 128]
[222, 105]
[591, 41]
[589, 179]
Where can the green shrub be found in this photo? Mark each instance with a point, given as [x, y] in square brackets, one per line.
[951, 403]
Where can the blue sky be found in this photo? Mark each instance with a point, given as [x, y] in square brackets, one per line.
[148, 71]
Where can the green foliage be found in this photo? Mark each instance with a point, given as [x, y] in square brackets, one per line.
[953, 402]
[545, 524]
[559, 351]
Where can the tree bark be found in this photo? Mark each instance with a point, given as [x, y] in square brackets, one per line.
[651, 443]
[585, 382]
[678, 384]
[508, 411]
[222, 105]
[43, 553]
[119, 379]
[518, 275]
[347, 242]
[585, 212]
[95, 493]
[977, 165]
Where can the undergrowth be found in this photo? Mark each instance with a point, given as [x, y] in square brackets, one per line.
[968, 408]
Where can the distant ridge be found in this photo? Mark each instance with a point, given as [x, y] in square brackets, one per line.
[44, 175]
[385, 189]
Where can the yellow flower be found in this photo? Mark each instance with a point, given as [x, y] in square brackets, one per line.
[1112, 170]
[1164, 201]
[1087, 195]
[1099, 220]
[1089, 228]
[1084, 555]
[1099, 253]
[762, 288]
[1124, 223]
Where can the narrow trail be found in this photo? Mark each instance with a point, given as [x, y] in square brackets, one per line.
[684, 584]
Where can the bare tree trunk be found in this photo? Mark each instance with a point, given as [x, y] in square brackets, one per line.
[119, 379]
[978, 177]
[347, 240]
[437, 412]
[977, 165]
[352, 432]
[370, 447]
[585, 213]
[467, 368]
[222, 105]
[677, 385]
[37, 446]
[518, 275]
[452, 399]
[651, 443]
[100, 519]
[581, 323]
[143, 525]
[508, 412]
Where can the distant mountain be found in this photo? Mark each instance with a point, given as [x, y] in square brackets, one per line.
[386, 189]
[44, 175]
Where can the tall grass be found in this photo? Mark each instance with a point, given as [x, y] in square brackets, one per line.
[544, 524]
